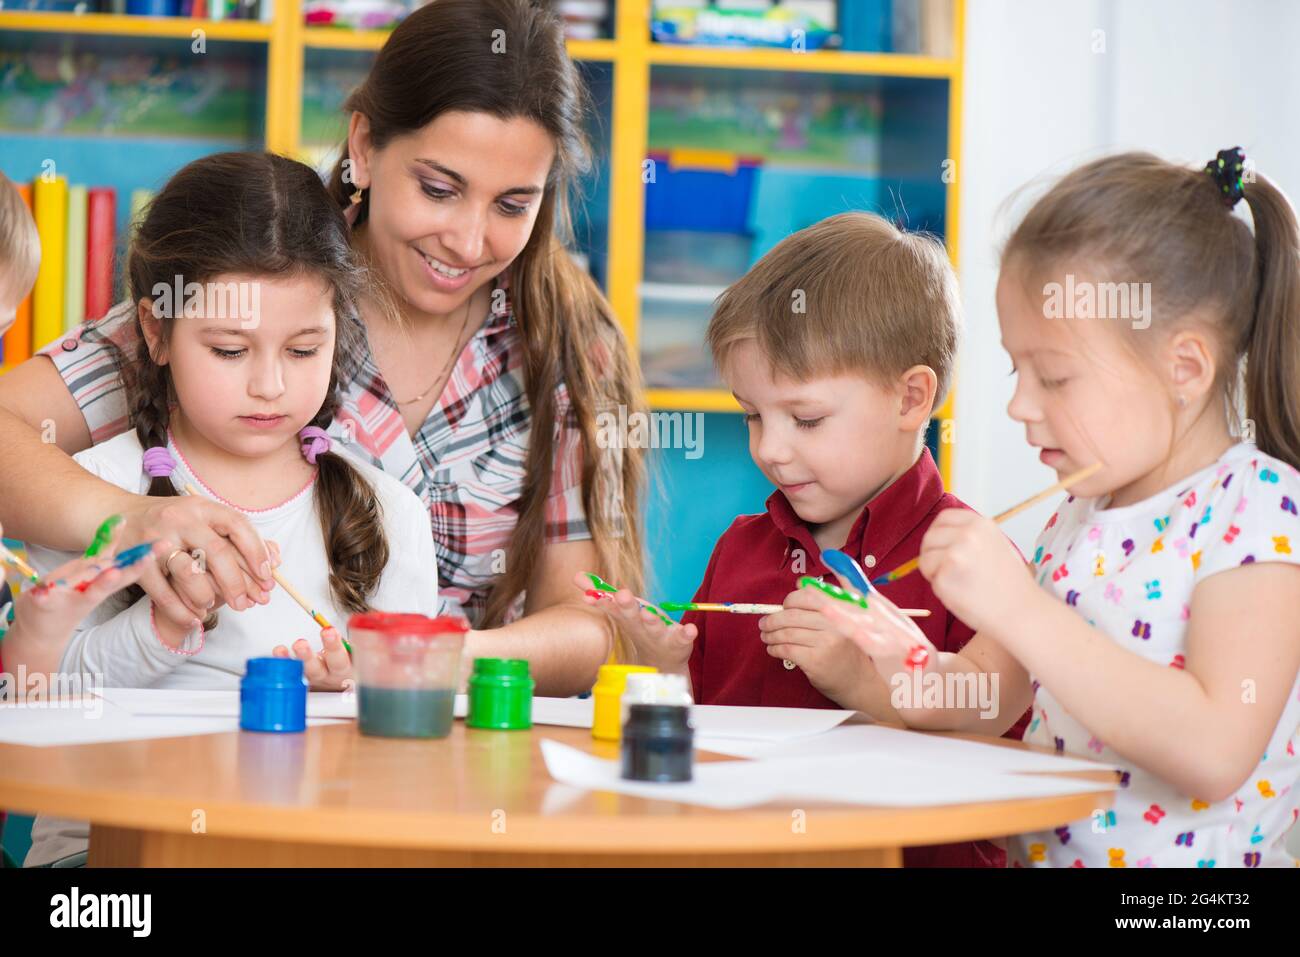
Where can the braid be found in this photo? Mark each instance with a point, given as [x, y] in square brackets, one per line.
[150, 387]
[351, 521]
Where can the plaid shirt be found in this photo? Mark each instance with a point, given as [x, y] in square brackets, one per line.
[466, 462]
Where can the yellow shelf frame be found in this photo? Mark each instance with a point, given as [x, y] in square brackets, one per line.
[114, 24]
[631, 53]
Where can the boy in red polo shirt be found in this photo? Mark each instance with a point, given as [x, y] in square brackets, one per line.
[838, 345]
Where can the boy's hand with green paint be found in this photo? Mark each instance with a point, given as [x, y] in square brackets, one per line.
[663, 646]
[892, 641]
[45, 615]
[832, 663]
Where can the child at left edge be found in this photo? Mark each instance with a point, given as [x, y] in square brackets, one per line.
[36, 624]
[838, 344]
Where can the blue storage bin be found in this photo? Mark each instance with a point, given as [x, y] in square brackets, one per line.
[698, 200]
[867, 25]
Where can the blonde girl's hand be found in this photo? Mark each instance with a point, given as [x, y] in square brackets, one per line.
[49, 612]
[329, 669]
[974, 569]
[653, 642]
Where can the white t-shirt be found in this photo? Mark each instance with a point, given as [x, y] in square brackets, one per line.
[119, 646]
[1130, 572]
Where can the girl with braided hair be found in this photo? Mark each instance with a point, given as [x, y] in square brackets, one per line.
[242, 286]
[242, 283]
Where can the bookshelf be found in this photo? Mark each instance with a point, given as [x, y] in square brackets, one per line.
[633, 59]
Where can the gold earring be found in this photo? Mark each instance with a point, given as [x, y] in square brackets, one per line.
[356, 197]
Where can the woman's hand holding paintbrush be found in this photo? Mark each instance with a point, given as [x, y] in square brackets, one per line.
[235, 569]
[655, 638]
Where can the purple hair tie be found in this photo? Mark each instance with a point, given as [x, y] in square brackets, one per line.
[158, 462]
[314, 442]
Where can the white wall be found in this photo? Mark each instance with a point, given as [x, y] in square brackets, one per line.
[1180, 78]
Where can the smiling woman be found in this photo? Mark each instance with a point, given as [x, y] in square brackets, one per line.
[456, 174]
[483, 356]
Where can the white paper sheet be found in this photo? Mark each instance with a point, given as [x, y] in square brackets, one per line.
[716, 721]
[713, 721]
[845, 779]
[215, 704]
[564, 712]
[906, 745]
[38, 725]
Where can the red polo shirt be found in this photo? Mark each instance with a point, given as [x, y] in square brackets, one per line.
[760, 558]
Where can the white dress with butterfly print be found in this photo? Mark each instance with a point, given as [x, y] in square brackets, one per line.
[1131, 572]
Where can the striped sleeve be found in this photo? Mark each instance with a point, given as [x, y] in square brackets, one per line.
[87, 361]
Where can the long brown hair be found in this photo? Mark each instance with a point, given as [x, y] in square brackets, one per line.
[262, 215]
[439, 59]
[1167, 224]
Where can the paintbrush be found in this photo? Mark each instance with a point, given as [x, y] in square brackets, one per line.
[1061, 486]
[292, 592]
[9, 558]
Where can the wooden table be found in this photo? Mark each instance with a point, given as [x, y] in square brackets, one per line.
[333, 797]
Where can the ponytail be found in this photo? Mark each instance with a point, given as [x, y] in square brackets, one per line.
[1272, 388]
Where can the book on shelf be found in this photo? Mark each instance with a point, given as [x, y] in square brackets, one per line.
[74, 269]
[16, 345]
[50, 199]
[101, 227]
[197, 9]
[78, 235]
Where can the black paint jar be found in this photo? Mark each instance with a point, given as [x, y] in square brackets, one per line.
[658, 743]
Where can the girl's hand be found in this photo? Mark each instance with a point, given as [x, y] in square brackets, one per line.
[814, 644]
[45, 615]
[327, 670]
[653, 642]
[231, 563]
[889, 638]
[973, 569]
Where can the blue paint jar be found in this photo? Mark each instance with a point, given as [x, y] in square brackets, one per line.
[273, 695]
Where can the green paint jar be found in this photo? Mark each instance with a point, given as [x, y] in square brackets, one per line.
[500, 695]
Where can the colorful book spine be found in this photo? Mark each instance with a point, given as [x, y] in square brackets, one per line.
[101, 227]
[17, 344]
[74, 269]
[50, 201]
[139, 200]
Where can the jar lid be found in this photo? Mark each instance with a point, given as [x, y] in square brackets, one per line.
[657, 689]
[658, 714]
[615, 676]
[273, 671]
[392, 624]
[501, 667]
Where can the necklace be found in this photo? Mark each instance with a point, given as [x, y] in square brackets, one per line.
[455, 354]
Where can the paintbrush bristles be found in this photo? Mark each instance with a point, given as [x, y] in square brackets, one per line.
[10, 558]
